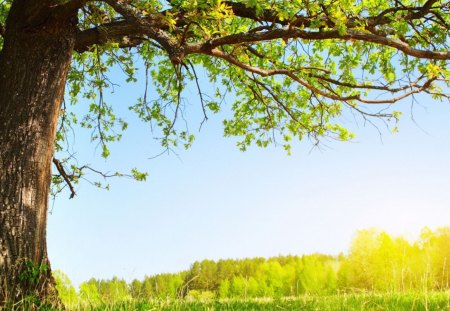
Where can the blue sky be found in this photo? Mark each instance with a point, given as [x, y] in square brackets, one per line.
[214, 201]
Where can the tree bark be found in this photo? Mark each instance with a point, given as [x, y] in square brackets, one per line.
[34, 62]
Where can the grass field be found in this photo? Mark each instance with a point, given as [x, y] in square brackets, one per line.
[431, 301]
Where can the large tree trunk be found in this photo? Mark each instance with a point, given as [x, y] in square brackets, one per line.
[34, 62]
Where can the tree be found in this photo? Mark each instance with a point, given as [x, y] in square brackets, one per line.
[436, 246]
[65, 288]
[136, 289]
[89, 291]
[293, 67]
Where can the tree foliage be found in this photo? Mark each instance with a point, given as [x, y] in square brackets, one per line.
[292, 67]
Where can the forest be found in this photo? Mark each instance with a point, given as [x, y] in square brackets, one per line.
[376, 262]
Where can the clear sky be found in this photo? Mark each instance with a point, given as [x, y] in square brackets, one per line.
[213, 201]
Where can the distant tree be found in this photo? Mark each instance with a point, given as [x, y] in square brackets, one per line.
[293, 66]
[224, 289]
[207, 278]
[191, 281]
[66, 291]
[136, 289]
[113, 290]
[252, 287]
[226, 269]
[318, 274]
[274, 274]
[380, 262]
[89, 292]
[436, 245]
[148, 288]
[357, 270]
[168, 285]
[238, 288]
[416, 268]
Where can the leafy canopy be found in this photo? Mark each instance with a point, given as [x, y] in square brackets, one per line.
[292, 67]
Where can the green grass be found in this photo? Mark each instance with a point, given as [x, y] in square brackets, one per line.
[431, 301]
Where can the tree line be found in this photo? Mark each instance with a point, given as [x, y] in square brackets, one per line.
[376, 262]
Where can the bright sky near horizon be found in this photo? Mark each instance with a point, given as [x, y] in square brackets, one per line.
[214, 201]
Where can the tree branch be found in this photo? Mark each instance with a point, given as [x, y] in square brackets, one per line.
[367, 86]
[381, 19]
[247, 37]
[290, 74]
[121, 32]
[67, 178]
[150, 26]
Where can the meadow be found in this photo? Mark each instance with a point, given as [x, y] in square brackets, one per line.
[362, 301]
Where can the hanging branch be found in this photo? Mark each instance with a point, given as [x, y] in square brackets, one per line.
[67, 178]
